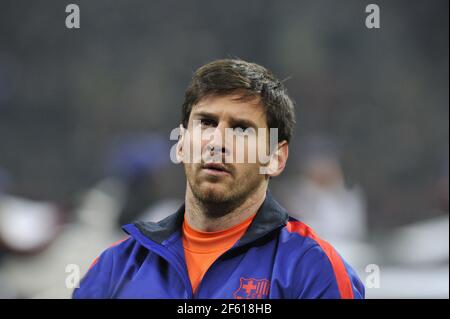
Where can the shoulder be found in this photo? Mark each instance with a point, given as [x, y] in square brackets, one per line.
[117, 248]
[317, 263]
[99, 279]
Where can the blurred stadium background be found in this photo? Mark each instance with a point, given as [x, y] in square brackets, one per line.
[85, 117]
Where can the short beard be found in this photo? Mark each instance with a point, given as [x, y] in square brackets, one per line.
[218, 205]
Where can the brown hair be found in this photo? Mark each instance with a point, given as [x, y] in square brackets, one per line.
[227, 76]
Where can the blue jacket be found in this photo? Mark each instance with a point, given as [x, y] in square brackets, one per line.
[277, 257]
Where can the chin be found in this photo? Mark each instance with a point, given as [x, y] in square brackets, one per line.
[209, 192]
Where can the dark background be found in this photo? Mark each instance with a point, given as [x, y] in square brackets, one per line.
[382, 94]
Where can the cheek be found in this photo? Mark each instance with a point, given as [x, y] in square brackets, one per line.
[198, 146]
[246, 172]
[191, 170]
[192, 149]
[245, 150]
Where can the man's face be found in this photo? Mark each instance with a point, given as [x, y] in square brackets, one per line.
[227, 181]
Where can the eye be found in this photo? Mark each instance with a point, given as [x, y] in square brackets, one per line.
[241, 130]
[207, 122]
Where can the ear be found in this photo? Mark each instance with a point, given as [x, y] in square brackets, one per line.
[278, 159]
[180, 144]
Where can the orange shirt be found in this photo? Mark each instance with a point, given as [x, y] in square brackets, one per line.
[201, 249]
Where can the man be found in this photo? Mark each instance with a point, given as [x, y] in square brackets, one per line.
[230, 239]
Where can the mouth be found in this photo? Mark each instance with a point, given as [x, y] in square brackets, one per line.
[217, 169]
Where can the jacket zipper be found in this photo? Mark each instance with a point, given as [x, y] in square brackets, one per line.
[172, 259]
[215, 262]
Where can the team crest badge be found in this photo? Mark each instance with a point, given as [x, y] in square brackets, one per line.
[252, 289]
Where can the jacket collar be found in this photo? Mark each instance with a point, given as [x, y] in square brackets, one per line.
[270, 216]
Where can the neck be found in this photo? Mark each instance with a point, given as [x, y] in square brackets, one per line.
[200, 217]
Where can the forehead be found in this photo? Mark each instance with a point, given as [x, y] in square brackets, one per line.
[231, 108]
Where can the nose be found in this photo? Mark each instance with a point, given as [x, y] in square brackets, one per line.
[215, 149]
[216, 145]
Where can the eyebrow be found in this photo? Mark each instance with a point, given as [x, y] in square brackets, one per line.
[233, 121]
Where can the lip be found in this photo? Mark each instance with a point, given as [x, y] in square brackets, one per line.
[216, 169]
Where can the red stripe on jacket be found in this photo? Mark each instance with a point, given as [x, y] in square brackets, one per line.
[112, 245]
[340, 272]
